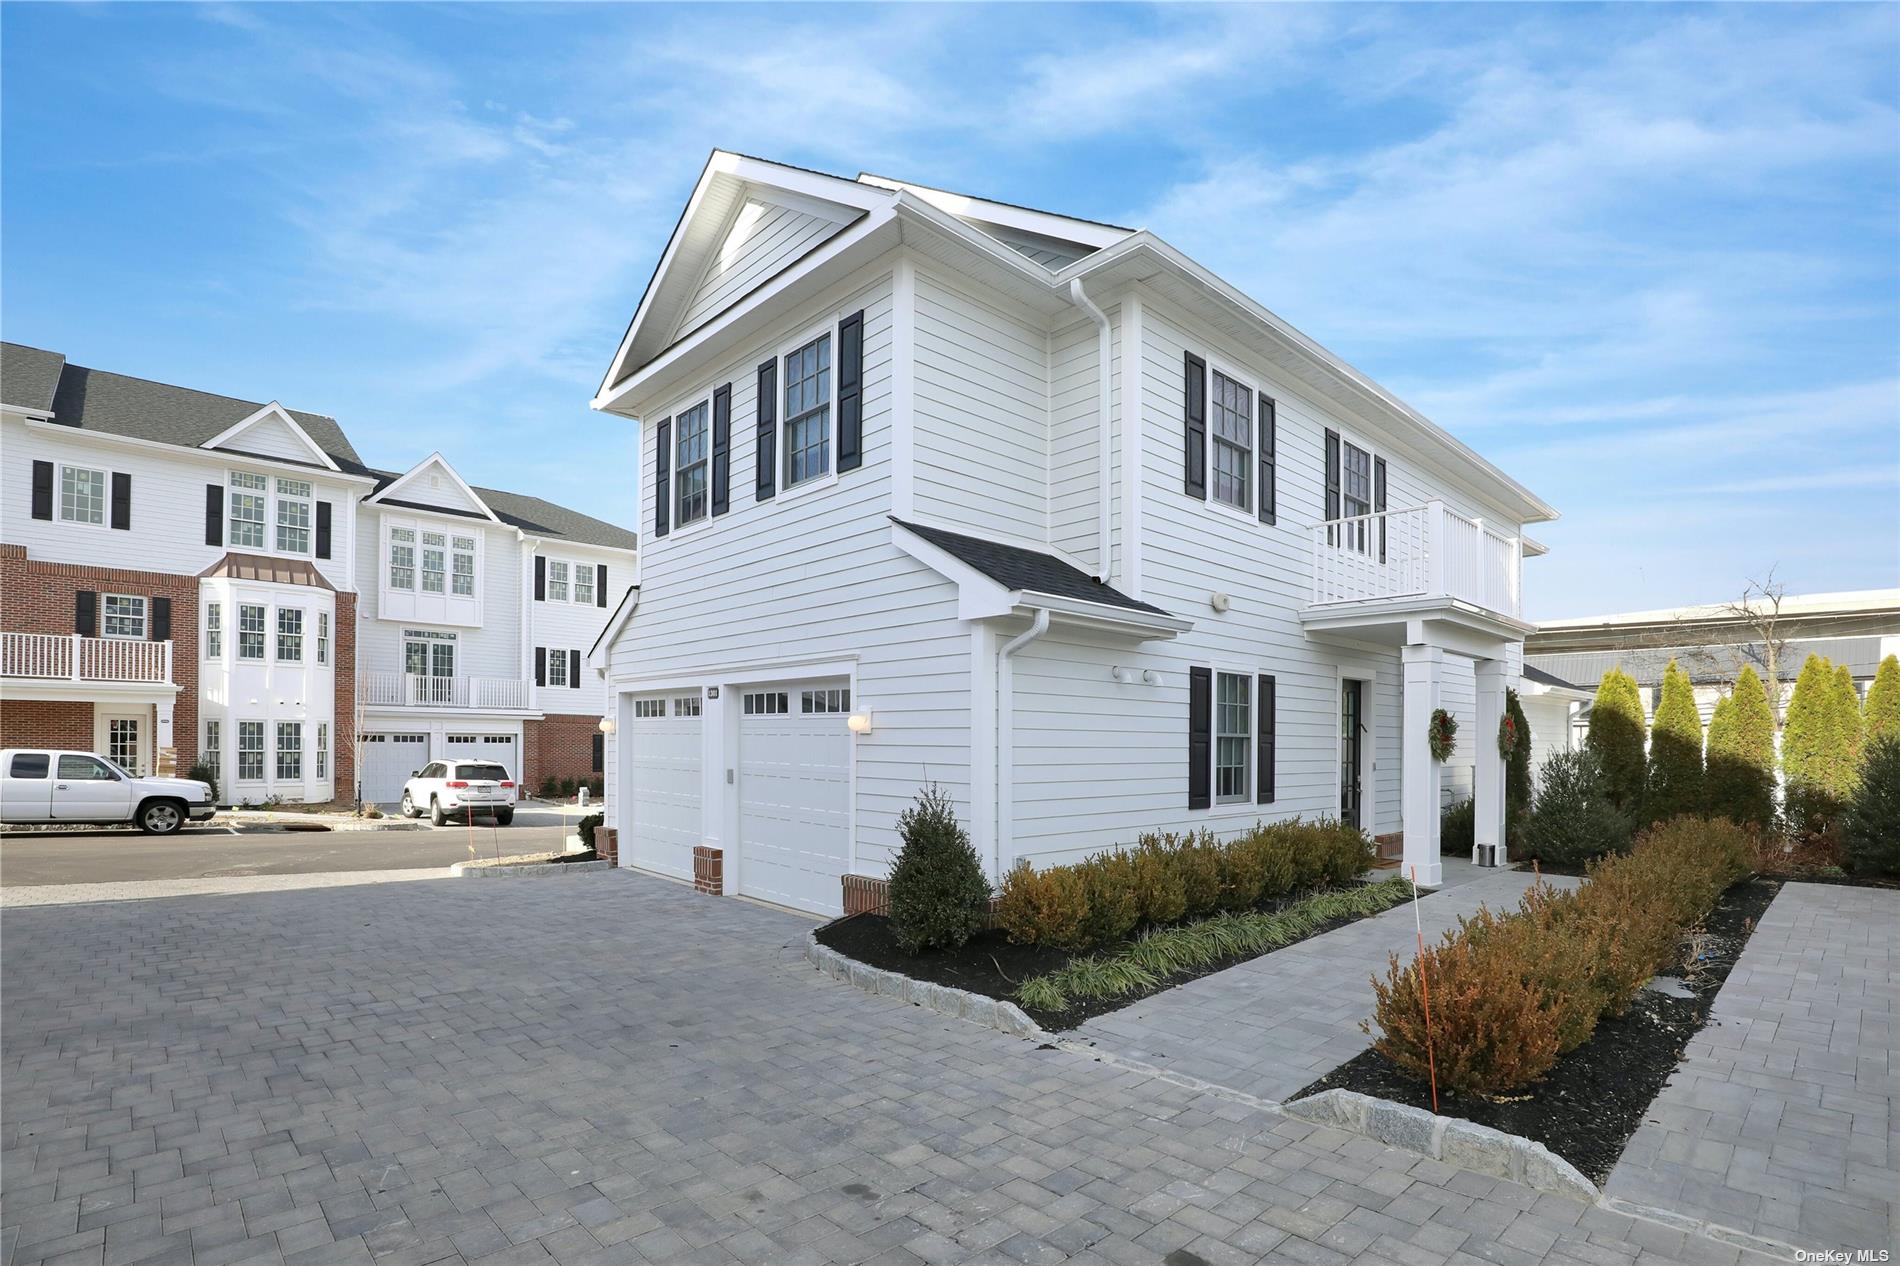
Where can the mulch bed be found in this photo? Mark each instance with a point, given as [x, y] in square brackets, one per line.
[1587, 1106]
[991, 965]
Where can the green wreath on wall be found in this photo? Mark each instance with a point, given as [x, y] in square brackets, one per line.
[1508, 737]
[1443, 735]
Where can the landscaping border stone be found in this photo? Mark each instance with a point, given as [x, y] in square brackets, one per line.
[526, 870]
[1004, 1017]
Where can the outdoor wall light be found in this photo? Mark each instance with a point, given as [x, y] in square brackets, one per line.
[606, 725]
[858, 722]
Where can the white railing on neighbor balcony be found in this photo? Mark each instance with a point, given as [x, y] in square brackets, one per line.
[1418, 552]
[70, 657]
[415, 690]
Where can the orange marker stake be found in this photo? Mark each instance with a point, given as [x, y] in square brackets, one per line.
[1425, 993]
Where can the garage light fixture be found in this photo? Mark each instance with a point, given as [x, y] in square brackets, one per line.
[606, 725]
[859, 723]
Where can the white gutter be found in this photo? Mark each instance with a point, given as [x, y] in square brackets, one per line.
[1080, 298]
[1005, 730]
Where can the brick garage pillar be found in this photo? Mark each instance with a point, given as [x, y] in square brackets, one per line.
[607, 844]
[865, 895]
[709, 870]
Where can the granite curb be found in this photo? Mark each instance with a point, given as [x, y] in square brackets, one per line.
[1004, 1017]
[526, 870]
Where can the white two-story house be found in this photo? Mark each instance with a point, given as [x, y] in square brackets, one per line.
[941, 489]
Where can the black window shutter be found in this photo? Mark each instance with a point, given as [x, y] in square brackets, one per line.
[1332, 485]
[540, 578]
[540, 665]
[1269, 480]
[159, 627]
[1200, 737]
[1194, 432]
[323, 529]
[765, 476]
[851, 392]
[600, 751]
[662, 475]
[1378, 499]
[86, 613]
[600, 584]
[1267, 711]
[122, 502]
[573, 669]
[42, 490]
[721, 449]
[214, 514]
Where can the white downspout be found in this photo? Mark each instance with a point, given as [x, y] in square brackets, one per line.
[1080, 298]
[1005, 731]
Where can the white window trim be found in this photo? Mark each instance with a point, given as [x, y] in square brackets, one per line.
[1227, 370]
[566, 581]
[269, 493]
[277, 500]
[674, 526]
[555, 655]
[237, 633]
[791, 492]
[576, 568]
[105, 494]
[323, 639]
[1247, 800]
[264, 751]
[215, 605]
[1373, 457]
[145, 617]
[274, 622]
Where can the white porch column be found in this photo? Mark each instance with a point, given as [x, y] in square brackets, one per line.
[1488, 785]
[1424, 667]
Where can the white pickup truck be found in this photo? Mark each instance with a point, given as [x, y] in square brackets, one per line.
[38, 786]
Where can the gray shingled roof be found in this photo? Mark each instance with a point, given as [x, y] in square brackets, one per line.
[1028, 570]
[29, 376]
[533, 515]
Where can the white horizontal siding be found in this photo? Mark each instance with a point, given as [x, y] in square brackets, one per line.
[492, 650]
[572, 626]
[764, 237]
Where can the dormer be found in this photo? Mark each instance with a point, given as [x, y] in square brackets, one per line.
[430, 546]
[271, 432]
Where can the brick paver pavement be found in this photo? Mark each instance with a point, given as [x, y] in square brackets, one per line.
[622, 1071]
[1276, 1023]
[1782, 1119]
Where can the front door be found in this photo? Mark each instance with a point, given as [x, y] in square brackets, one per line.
[120, 738]
[1351, 749]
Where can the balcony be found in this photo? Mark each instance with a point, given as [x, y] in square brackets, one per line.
[1376, 574]
[416, 690]
[70, 657]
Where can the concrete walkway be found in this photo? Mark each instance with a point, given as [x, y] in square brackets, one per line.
[1271, 1025]
[1782, 1119]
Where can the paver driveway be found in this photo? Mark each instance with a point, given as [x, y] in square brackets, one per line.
[617, 1070]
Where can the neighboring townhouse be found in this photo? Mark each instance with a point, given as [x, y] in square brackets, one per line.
[187, 576]
[941, 489]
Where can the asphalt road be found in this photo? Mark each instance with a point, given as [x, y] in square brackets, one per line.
[198, 852]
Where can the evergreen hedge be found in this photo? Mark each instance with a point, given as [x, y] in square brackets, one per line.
[1616, 738]
[1883, 703]
[1871, 830]
[1741, 754]
[1675, 781]
[1820, 747]
[1518, 785]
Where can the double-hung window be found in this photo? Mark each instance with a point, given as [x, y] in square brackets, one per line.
[214, 746]
[692, 462]
[290, 635]
[402, 558]
[289, 749]
[1230, 414]
[323, 637]
[214, 631]
[557, 581]
[293, 516]
[584, 584]
[1355, 491]
[462, 563]
[1233, 735]
[246, 528]
[808, 412]
[123, 616]
[323, 750]
[557, 667]
[434, 562]
[250, 632]
[82, 495]
[250, 751]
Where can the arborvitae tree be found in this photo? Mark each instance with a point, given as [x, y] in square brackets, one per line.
[1675, 751]
[1517, 770]
[1882, 714]
[1741, 764]
[1818, 746]
[1616, 738]
[1847, 718]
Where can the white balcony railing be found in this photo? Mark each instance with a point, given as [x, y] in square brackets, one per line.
[70, 657]
[1428, 551]
[416, 690]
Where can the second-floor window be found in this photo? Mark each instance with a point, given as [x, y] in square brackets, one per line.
[323, 637]
[557, 667]
[290, 635]
[692, 458]
[402, 558]
[434, 562]
[82, 495]
[250, 644]
[214, 631]
[1230, 427]
[808, 411]
[248, 494]
[123, 615]
[584, 584]
[293, 516]
[462, 559]
[557, 581]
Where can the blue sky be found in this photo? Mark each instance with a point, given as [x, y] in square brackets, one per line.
[1646, 258]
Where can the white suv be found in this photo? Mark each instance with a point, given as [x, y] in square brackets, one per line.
[55, 786]
[447, 788]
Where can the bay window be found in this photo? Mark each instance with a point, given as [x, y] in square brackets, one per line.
[245, 513]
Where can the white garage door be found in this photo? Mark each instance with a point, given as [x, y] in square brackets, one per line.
[499, 748]
[664, 804]
[795, 794]
[388, 761]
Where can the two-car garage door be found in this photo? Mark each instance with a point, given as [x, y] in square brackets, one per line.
[792, 791]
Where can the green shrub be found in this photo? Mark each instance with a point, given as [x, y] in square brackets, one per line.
[1198, 859]
[550, 788]
[1882, 716]
[1458, 827]
[205, 772]
[1741, 754]
[1871, 829]
[1820, 747]
[1108, 879]
[939, 897]
[1159, 892]
[1675, 778]
[1616, 738]
[1574, 818]
[586, 828]
[1044, 907]
[568, 787]
[1518, 787]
